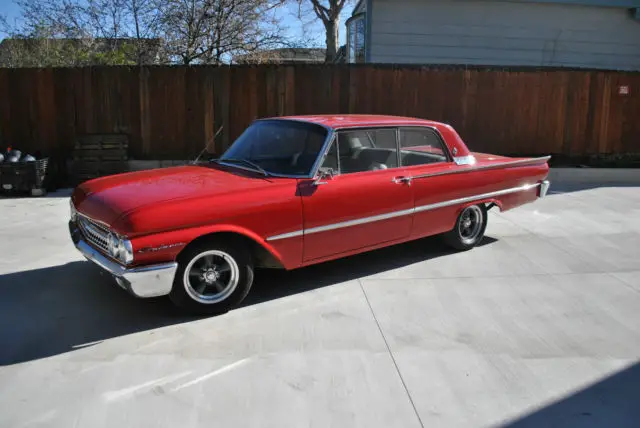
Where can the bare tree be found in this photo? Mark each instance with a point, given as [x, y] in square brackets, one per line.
[118, 20]
[328, 12]
[81, 32]
[207, 31]
[125, 31]
[49, 33]
[145, 24]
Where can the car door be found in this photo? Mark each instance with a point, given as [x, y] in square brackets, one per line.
[426, 159]
[365, 204]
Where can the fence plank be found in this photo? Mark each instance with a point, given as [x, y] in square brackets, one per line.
[171, 112]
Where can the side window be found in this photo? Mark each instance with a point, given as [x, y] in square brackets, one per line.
[384, 139]
[367, 150]
[420, 146]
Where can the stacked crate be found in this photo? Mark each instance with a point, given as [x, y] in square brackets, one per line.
[97, 155]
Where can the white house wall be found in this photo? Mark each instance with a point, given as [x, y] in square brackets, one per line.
[503, 33]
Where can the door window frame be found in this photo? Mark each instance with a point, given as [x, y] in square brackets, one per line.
[397, 129]
[438, 135]
[336, 135]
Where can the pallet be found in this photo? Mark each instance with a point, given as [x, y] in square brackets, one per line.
[97, 155]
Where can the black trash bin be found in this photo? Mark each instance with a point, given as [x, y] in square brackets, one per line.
[24, 177]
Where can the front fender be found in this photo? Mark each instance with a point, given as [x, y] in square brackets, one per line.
[165, 246]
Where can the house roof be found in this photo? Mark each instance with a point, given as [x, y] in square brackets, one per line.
[289, 55]
[100, 43]
[361, 6]
[605, 3]
[149, 48]
[629, 4]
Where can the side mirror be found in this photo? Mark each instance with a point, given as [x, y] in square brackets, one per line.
[323, 174]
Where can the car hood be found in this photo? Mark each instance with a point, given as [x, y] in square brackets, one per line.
[109, 199]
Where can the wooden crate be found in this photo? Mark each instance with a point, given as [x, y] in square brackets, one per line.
[97, 155]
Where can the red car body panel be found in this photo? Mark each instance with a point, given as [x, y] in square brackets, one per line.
[349, 198]
[299, 223]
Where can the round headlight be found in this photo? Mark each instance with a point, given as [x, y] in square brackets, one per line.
[113, 244]
[125, 251]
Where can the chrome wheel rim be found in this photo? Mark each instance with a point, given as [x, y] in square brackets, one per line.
[211, 277]
[470, 224]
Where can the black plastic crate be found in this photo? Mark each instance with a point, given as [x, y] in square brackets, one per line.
[24, 177]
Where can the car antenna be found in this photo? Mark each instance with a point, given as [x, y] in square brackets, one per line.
[206, 146]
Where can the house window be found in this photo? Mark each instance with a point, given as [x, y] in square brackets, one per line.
[356, 38]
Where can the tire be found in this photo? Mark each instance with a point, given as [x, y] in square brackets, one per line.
[223, 267]
[461, 237]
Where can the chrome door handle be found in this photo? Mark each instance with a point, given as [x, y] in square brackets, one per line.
[400, 180]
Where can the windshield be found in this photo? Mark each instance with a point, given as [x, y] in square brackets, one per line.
[280, 147]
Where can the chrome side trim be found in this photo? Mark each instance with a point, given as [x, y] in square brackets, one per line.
[394, 214]
[286, 235]
[358, 221]
[160, 248]
[341, 225]
[510, 164]
[475, 197]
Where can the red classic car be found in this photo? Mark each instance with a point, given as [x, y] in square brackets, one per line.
[291, 192]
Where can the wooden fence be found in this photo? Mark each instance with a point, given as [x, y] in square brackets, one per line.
[170, 112]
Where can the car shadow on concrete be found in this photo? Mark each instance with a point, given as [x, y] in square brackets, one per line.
[58, 309]
[274, 284]
[612, 402]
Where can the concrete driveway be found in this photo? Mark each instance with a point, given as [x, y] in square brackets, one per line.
[540, 326]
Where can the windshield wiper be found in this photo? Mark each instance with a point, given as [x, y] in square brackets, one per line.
[245, 161]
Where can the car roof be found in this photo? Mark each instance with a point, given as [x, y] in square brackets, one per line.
[361, 120]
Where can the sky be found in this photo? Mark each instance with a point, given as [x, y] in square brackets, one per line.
[296, 30]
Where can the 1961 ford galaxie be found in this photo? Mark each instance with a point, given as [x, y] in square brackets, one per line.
[291, 192]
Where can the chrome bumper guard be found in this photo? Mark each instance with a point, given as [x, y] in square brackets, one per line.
[142, 281]
[544, 188]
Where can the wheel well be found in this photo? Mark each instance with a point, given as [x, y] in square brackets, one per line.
[261, 256]
[493, 203]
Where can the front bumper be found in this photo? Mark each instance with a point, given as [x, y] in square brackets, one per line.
[142, 281]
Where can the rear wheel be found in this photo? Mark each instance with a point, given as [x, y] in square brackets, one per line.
[469, 228]
[213, 277]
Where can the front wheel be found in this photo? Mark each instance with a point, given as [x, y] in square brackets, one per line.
[212, 277]
[469, 228]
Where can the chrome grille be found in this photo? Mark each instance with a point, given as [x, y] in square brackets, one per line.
[95, 234]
